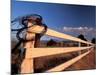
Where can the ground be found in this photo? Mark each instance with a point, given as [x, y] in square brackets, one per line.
[44, 63]
[86, 63]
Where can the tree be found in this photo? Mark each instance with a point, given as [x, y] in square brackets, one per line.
[81, 36]
[51, 43]
[93, 40]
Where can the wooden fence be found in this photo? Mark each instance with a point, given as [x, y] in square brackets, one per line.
[31, 53]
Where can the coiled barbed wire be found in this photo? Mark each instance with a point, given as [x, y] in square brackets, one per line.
[23, 21]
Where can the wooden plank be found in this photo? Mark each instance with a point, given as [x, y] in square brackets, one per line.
[27, 65]
[38, 52]
[68, 63]
[79, 45]
[50, 32]
[53, 33]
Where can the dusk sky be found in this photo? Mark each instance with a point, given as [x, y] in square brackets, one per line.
[69, 19]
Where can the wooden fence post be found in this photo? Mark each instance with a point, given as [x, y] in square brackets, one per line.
[27, 65]
[79, 45]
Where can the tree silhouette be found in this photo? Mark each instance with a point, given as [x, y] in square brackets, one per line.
[81, 36]
[51, 43]
[93, 40]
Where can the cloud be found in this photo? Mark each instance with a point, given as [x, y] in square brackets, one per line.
[83, 30]
[78, 29]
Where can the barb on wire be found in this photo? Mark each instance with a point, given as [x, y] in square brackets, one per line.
[22, 22]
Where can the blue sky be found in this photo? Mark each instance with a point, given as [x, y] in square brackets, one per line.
[61, 17]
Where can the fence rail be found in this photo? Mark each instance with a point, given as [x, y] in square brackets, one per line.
[50, 32]
[31, 53]
[38, 52]
[68, 63]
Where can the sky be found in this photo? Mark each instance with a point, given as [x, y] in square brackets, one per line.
[69, 19]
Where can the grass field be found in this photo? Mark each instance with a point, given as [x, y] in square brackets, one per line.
[44, 63]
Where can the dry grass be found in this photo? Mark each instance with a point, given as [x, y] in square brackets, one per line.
[44, 63]
[86, 63]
